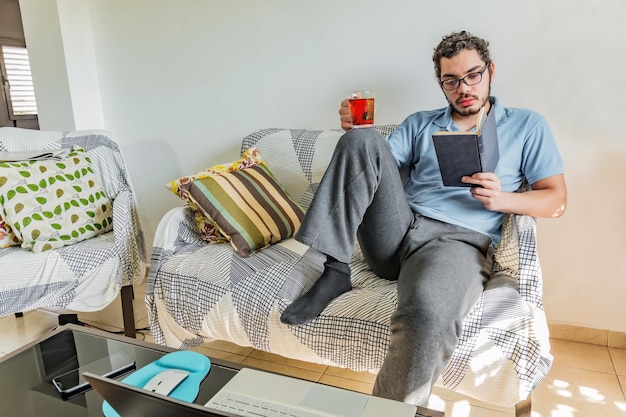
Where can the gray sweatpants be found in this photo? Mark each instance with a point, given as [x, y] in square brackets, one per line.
[440, 268]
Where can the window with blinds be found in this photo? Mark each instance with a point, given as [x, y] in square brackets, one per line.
[17, 82]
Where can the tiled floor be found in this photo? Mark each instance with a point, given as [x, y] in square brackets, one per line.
[585, 380]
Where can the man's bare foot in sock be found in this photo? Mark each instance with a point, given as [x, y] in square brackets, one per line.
[334, 281]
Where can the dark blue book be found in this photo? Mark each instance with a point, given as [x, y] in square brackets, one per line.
[466, 153]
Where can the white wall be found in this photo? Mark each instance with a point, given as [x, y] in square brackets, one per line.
[180, 82]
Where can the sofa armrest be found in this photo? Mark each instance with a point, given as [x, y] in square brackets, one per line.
[530, 278]
[177, 227]
[129, 239]
[176, 230]
[516, 258]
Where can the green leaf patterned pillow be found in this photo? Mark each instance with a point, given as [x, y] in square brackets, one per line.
[54, 203]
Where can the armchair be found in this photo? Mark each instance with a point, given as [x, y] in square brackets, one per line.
[90, 274]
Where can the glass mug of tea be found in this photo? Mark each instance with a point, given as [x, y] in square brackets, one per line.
[361, 105]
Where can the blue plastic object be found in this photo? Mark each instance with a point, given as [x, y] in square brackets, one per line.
[195, 363]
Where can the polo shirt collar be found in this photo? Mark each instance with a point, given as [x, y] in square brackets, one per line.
[445, 122]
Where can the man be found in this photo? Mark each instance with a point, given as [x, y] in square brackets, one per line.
[435, 241]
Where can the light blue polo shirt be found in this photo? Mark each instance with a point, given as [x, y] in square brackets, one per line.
[527, 150]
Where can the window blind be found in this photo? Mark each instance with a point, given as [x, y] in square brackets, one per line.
[20, 81]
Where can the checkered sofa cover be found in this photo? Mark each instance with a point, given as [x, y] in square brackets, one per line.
[198, 293]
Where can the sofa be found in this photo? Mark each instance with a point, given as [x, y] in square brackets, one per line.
[199, 292]
[86, 275]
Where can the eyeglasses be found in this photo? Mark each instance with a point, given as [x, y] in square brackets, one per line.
[470, 79]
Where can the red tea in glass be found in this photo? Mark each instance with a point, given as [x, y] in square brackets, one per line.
[361, 104]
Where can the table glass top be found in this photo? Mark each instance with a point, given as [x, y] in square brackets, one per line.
[26, 376]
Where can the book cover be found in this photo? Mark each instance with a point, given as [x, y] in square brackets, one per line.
[466, 153]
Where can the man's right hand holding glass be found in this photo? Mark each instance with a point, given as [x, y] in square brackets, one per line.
[344, 116]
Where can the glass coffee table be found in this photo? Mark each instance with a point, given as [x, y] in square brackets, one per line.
[28, 375]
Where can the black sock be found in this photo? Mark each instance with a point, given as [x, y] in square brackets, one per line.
[334, 281]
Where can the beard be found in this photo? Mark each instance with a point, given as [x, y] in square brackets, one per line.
[470, 111]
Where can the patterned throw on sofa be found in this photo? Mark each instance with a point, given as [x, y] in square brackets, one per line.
[199, 292]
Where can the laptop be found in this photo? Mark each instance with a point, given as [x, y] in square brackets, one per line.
[259, 392]
[131, 401]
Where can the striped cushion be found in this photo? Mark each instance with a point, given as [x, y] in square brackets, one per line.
[206, 226]
[249, 206]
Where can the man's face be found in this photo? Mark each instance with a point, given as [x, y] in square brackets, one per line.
[466, 100]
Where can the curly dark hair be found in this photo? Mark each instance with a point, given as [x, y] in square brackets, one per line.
[454, 43]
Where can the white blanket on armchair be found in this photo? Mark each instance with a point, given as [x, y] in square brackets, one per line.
[86, 276]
